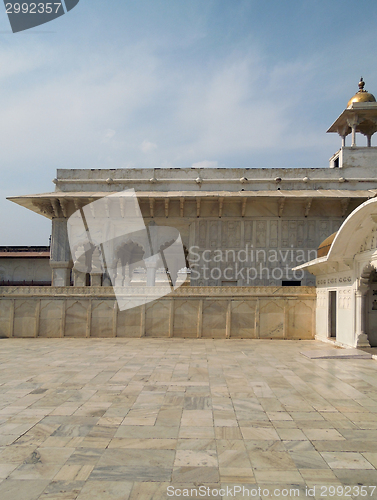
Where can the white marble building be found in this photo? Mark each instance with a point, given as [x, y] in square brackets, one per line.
[25, 265]
[346, 271]
[246, 231]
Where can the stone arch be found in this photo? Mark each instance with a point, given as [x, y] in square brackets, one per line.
[128, 256]
[130, 253]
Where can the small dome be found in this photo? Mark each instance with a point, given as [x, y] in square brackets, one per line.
[324, 247]
[362, 95]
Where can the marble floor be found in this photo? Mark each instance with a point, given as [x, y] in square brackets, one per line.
[124, 419]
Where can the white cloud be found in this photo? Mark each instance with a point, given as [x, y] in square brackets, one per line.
[147, 146]
[206, 164]
[108, 135]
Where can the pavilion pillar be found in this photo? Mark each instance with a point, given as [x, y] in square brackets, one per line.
[61, 260]
[96, 270]
[151, 265]
[353, 136]
[361, 307]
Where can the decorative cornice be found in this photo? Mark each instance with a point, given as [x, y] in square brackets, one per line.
[185, 291]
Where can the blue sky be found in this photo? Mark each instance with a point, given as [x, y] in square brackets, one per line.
[152, 83]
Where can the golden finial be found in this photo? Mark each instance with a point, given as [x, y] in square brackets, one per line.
[361, 85]
[361, 95]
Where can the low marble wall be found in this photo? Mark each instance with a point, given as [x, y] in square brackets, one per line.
[194, 312]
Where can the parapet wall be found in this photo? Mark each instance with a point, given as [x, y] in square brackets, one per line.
[192, 312]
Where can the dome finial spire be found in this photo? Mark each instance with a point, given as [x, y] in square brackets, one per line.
[361, 85]
[361, 95]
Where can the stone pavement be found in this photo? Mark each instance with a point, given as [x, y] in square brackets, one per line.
[118, 419]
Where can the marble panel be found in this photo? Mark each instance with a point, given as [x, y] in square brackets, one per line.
[76, 318]
[300, 320]
[5, 318]
[243, 319]
[102, 319]
[25, 312]
[129, 322]
[50, 319]
[214, 318]
[157, 316]
[186, 318]
[271, 319]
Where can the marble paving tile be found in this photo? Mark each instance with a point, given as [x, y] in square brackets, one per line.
[135, 473]
[35, 471]
[85, 456]
[259, 433]
[126, 457]
[233, 458]
[49, 455]
[274, 460]
[265, 445]
[22, 490]
[371, 457]
[323, 435]
[354, 477]
[194, 458]
[62, 490]
[106, 490]
[319, 476]
[308, 459]
[194, 475]
[228, 433]
[346, 460]
[236, 475]
[149, 491]
[196, 444]
[291, 435]
[6, 469]
[349, 445]
[141, 432]
[128, 422]
[74, 473]
[196, 432]
[144, 444]
[16, 454]
[279, 415]
[278, 476]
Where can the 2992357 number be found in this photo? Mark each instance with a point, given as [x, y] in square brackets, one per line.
[33, 8]
[347, 491]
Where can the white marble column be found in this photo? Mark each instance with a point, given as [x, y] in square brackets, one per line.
[360, 309]
[151, 265]
[61, 260]
[96, 270]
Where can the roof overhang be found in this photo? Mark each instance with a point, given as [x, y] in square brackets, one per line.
[50, 205]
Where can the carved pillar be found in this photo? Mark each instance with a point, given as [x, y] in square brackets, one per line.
[79, 279]
[96, 271]
[353, 136]
[151, 265]
[61, 261]
[353, 122]
[79, 276]
[360, 310]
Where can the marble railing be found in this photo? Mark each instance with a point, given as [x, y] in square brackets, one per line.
[208, 312]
